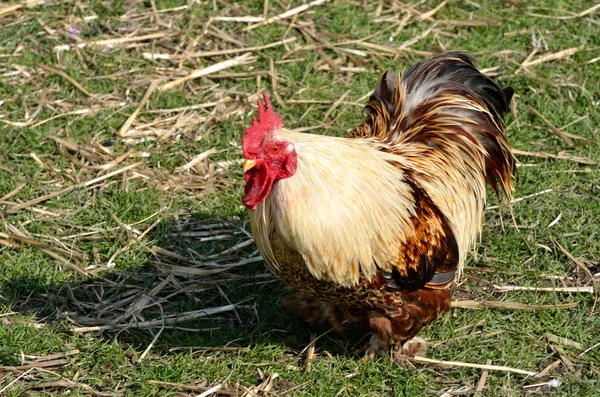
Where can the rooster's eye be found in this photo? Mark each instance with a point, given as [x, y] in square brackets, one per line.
[275, 149]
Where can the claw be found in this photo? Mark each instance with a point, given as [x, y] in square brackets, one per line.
[377, 347]
[412, 347]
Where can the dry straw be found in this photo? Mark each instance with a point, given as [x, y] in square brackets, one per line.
[207, 65]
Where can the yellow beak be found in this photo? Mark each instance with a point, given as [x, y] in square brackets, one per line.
[249, 164]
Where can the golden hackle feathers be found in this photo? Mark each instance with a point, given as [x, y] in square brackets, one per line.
[320, 212]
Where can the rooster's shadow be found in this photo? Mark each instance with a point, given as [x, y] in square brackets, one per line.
[173, 281]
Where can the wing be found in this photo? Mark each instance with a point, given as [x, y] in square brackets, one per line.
[430, 256]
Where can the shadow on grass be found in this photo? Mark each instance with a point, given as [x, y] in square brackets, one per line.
[202, 283]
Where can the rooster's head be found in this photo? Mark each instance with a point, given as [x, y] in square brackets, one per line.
[268, 158]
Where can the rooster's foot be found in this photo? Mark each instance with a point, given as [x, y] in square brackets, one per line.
[377, 347]
[413, 347]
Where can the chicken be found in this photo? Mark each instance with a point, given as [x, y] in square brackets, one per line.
[376, 227]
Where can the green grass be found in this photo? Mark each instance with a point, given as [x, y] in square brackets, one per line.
[42, 301]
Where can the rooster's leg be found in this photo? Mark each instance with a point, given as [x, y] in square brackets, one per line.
[395, 325]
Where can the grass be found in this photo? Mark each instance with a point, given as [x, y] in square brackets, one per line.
[139, 245]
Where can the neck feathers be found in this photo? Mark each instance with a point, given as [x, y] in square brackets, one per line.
[346, 210]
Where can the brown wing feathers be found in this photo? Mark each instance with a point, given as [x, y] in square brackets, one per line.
[431, 250]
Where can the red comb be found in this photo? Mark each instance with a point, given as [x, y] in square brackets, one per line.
[267, 121]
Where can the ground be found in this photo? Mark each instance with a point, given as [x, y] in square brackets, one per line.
[127, 265]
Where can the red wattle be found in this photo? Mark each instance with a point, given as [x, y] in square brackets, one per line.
[259, 182]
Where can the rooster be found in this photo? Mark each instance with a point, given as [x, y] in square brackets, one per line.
[376, 226]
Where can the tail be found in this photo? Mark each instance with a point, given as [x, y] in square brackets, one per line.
[445, 103]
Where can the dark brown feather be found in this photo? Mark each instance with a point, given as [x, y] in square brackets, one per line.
[431, 249]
